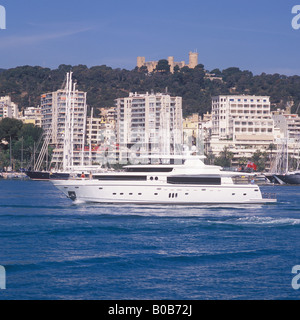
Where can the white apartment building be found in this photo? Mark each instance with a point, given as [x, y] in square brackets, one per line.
[288, 124]
[243, 123]
[288, 136]
[8, 109]
[95, 129]
[152, 123]
[53, 109]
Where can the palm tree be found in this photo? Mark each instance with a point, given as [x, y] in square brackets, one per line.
[225, 158]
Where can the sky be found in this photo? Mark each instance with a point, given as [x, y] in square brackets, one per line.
[254, 35]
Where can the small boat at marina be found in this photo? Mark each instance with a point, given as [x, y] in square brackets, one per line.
[289, 177]
[281, 173]
[75, 172]
[190, 183]
[46, 175]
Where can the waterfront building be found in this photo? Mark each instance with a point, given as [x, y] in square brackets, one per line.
[151, 123]
[100, 134]
[197, 131]
[288, 137]
[32, 115]
[242, 123]
[191, 132]
[288, 124]
[8, 109]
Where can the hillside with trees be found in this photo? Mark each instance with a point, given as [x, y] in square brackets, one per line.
[103, 84]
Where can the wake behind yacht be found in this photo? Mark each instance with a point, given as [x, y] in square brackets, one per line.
[191, 183]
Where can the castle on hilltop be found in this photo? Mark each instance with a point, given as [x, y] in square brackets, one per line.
[151, 65]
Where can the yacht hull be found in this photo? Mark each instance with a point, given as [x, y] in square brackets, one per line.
[93, 191]
[290, 178]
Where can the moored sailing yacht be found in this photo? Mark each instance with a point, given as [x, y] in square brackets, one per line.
[291, 177]
[67, 148]
[190, 183]
[280, 173]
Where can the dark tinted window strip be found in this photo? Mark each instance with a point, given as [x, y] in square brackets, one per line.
[122, 178]
[149, 169]
[195, 180]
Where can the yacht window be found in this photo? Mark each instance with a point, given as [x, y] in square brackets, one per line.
[205, 180]
[122, 177]
[149, 169]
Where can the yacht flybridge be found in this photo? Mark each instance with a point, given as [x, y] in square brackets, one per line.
[190, 183]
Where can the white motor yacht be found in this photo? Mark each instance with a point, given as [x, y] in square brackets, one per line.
[190, 183]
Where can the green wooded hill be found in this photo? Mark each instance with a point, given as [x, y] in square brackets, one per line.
[103, 84]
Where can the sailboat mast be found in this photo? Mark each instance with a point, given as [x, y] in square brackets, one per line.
[90, 148]
[68, 128]
[287, 152]
[84, 130]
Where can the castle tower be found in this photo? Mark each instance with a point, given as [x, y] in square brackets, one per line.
[171, 63]
[193, 59]
[140, 61]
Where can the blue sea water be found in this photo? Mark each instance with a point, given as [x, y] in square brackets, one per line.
[52, 248]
